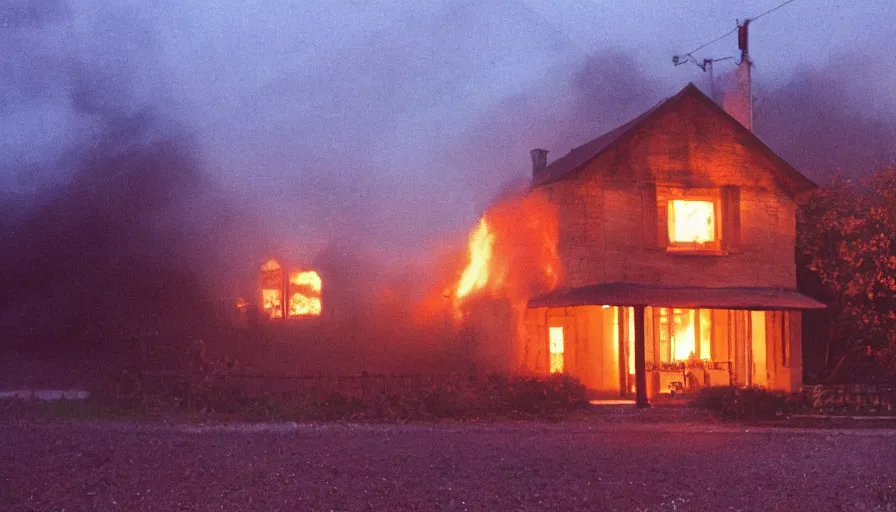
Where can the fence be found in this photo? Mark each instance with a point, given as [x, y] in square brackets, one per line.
[851, 398]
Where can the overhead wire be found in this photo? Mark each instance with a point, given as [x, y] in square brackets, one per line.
[726, 34]
[723, 36]
[773, 9]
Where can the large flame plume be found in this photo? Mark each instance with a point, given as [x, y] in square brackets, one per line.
[475, 275]
[512, 252]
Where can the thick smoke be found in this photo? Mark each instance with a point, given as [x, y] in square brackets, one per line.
[824, 121]
[113, 235]
[127, 213]
[580, 101]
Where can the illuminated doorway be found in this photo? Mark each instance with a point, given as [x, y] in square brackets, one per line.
[627, 349]
[758, 351]
[555, 340]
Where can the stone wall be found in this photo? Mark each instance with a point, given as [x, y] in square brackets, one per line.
[610, 229]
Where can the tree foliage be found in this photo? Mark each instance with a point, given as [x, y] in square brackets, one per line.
[846, 253]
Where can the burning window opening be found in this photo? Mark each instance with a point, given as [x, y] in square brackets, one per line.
[272, 289]
[272, 302]
[679, 336]
[303, 290]
[555, 339]
[692, 221]
[305, 300]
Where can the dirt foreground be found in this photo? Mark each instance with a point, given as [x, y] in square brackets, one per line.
[101, 466]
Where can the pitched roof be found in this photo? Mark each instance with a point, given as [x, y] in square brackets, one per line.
[633, 294]
[567, 165]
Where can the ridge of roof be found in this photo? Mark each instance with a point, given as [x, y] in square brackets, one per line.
[578, 157]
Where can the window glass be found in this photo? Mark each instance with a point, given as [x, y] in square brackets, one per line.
[684, 339]
[684, 334]
[692, 221]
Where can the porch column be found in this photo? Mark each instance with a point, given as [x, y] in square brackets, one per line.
[640, 360]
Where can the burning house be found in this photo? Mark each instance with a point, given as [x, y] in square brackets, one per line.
[673, 264]
[285, 294]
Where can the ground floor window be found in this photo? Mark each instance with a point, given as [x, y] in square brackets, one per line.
[684, 334]
[555, 339]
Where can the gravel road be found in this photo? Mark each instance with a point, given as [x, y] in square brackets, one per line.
[532, 466]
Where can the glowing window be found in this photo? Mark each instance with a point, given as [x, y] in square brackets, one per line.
[271, 302]
[304, 293]
[555, 339]
[692, 221]
[684, 339]
[684, 334]
[272, 289]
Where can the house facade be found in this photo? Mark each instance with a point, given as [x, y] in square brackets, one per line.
[677, 234]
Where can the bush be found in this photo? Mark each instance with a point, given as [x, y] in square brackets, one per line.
[363, 398]
[752, 403]
[531, 395]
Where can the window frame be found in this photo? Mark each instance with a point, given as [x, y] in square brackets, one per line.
[671, 225]
[665, 196]
[660, 327]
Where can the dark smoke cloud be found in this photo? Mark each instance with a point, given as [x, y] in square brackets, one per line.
[820, 120]
[115, 224]
[22, 13]
[824, 121]
[119, 232]
[574, 105]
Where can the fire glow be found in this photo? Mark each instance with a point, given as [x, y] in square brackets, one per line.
[304, 299]
[303, 290]
[475, 275]
[692, 221]
[511, 252]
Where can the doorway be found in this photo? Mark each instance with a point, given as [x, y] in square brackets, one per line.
[758, 349]
[625, 326]
[556, 348]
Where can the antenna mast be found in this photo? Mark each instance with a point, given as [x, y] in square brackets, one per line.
[745, 79]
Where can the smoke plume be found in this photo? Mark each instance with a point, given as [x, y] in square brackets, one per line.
[144, 182]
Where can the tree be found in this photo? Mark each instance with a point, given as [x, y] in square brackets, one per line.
[846, 254]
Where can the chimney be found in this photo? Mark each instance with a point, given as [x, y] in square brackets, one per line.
[738, 100]
[539, 160]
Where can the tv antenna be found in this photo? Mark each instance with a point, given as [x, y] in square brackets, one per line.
[705, 65]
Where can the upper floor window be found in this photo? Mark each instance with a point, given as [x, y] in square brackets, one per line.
[692, 222]
[684, 220]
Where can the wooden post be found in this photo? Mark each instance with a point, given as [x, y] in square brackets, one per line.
[640, 360]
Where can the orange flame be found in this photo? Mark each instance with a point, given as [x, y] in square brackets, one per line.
[271, 302]
[512, 251]
[475, 275]
[306, 300]
[309, 278]
[272, 289]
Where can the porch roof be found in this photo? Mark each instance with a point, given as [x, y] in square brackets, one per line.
[634, 294]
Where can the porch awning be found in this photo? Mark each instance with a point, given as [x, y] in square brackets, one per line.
[632, 294]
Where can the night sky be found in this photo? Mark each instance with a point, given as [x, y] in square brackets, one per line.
[391, 125]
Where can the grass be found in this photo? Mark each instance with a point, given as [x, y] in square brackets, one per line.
[364, 399]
